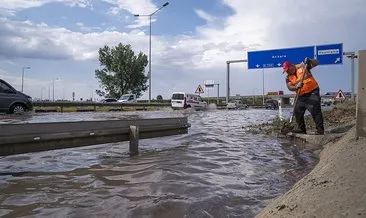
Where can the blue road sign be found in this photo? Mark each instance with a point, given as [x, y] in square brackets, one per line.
[326, 54]
[329, 54]
[275, 58]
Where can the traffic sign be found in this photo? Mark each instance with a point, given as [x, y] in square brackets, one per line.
[209, 83]
[329, 54]
[199, 90]
[275, 58]
[340, 96]
[326, 54]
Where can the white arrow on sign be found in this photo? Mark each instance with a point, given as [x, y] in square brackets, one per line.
[257, 65]
[279, 64]
[337, 60]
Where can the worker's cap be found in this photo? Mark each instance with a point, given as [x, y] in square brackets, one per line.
[285, 66]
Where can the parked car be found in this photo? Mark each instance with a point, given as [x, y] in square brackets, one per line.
[181, 100]
[326, 102]
[128, 98]
[13, 101]
[271, 104]
[236, 104]
[106, 100]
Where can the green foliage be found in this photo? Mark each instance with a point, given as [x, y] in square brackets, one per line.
[159, 97]
[122, 72]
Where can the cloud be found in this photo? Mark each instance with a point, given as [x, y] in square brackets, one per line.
[133, 7]
[3, 72]
[251, 27]
[84, 28]
[8, 7]
[202, 14]
[114, 10]
[7, 12]
[40, 41]
[23, 4]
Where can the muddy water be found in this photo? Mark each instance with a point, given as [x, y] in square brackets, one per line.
[216, 170]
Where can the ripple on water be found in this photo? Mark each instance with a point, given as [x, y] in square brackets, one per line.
[216, 170]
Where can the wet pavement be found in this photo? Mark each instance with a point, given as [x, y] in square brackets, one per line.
[216, 170]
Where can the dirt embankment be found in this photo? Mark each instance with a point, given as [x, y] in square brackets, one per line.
[336, 186]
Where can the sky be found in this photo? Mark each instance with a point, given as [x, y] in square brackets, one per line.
[191, 42]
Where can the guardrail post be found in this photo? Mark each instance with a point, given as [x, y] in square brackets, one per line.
[134, 140]
[280, 106]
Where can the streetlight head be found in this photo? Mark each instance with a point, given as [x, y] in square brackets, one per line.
[165, 4]
[136, 15]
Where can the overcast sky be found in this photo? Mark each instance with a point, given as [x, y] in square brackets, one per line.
[191, 41]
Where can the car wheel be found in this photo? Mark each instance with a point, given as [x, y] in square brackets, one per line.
[18, 109]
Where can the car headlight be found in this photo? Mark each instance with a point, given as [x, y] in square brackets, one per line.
[29, 98]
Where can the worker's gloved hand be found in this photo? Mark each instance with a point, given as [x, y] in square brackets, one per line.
[307, 61]
[299, 85]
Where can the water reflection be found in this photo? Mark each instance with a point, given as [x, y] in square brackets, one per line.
[216, 170]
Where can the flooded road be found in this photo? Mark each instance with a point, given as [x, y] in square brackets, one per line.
[216, 170]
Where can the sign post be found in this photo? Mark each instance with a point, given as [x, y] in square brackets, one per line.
[209, 84]
[352, 55]
[228, 76]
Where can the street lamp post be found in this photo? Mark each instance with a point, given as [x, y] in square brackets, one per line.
[24, 68]
[53, 88]
[42, 93]
[150, 15]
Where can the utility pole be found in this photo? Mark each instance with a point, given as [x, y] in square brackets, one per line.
[24, 68]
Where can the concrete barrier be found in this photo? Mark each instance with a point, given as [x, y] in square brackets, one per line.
[82, 106]
[35, 137]
[361, 96]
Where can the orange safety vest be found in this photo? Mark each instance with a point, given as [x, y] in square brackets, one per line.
[309, 84]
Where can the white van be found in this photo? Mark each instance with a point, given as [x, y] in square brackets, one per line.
[128, 98]
[181, 100]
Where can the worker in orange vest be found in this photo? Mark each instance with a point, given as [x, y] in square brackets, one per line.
[309, 94]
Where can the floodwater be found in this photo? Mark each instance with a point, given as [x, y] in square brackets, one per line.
[216, 170]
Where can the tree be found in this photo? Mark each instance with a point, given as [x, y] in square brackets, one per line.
[159, 97]
[123, 71]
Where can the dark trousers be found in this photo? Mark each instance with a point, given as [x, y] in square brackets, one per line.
[312, 102]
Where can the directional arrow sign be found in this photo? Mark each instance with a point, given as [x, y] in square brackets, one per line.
[326, 54]
[275, 58]
[329, 54]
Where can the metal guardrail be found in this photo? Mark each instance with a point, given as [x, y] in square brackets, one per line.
[35, 137]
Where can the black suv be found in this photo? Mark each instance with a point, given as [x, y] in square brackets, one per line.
[13, 101]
